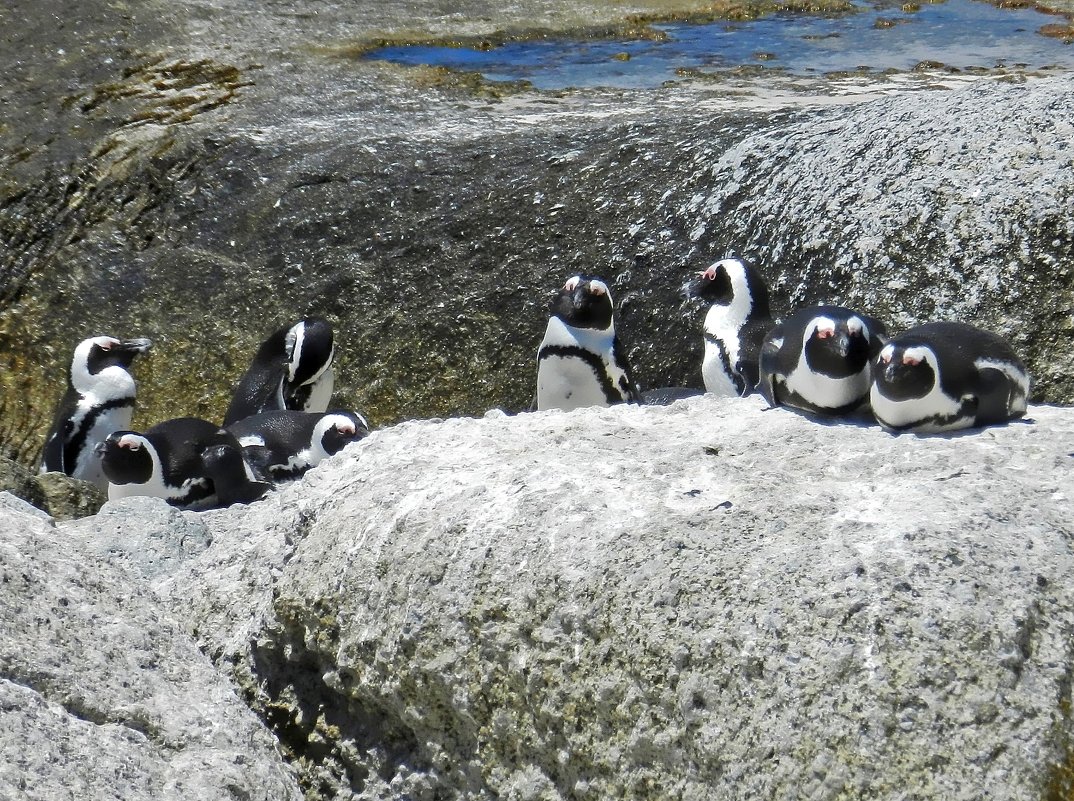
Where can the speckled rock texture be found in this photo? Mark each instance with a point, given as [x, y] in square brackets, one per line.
[703, 601]
[103, 695]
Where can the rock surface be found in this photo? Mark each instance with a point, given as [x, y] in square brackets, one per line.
[103, 695]
[199, 174]
[705, 601]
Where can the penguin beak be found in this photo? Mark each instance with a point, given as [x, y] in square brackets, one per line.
[842, 344]
[99, 449]
[136, 345]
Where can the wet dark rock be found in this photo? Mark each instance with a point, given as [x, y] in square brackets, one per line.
[201, 176]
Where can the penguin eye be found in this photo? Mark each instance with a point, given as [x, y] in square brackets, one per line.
[345, 428]
[130, 444]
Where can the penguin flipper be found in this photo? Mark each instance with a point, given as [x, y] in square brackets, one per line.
[769, 365]
[993, 395]
[223, 463]
[630, 386]
[260, 459]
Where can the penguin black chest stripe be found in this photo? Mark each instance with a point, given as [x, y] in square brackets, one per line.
[611, 392]
[77, 441]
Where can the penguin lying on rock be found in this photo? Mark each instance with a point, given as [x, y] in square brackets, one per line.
[99, 400]
[946, 376]
[581, 361]
[735, 325]
[291, 370]
[819, 360]
[283, 445]
[188, 462]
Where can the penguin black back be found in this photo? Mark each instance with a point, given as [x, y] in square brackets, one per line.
[292, 369]
[285, 444]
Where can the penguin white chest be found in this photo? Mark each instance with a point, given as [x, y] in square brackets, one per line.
[577, 368]
[824, 390]
[105, 420]
[716, 369]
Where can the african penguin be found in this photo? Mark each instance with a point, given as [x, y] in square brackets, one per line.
[291, 370]
[946, 376]
[581, 362]
[819, 360]
[99, 400]
[187, 461]
[735, 325]
[284, 445]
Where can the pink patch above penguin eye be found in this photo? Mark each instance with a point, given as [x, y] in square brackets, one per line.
[825, 333]
[130, 444]
[885, 358]
[572, 284]
[709, 274]
[596, 289]
[911, 361]
[345, 428]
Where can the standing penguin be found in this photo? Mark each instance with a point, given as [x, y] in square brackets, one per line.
[581, 362]
[946, 376]
[187, 461]
[291, 370]
[284, 445]
[735, 325]
[819, 360]
[99, 400]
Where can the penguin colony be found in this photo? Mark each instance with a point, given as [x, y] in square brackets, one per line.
[822, 360]
[277, 425]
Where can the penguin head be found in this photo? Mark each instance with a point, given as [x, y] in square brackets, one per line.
[717, 283]
[95, 355]
[836, 345]
[126, 457]
[337, 429]
[584, 302]
[905, 370]
[309, 350]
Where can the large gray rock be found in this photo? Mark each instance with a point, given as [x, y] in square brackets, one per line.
[705, 601]
[103, 694]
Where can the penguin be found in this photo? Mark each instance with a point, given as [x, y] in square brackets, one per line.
[283, 445]
[189, 462]
[735, 325]
[99, 400]
[819, 360]
[581, 361]
[291, 370]
[946, 376]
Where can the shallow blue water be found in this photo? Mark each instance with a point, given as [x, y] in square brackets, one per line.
[958, 33]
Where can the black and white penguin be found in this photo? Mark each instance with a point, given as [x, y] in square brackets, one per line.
[187, 461]
[735, 325]
[291, 370]
[581, 361]
[819, 360]
[284, 445]
[99, 400]
[946, 376]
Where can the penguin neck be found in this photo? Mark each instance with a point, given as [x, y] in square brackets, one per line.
[111, 383]
[724, 320]
[594, 339]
